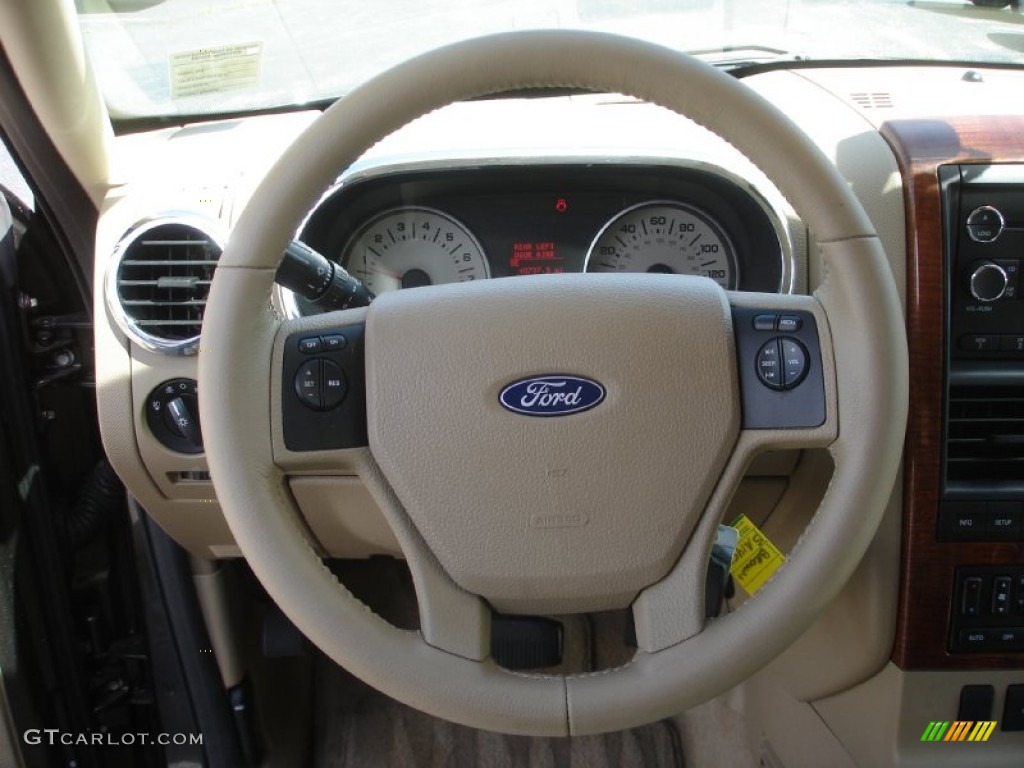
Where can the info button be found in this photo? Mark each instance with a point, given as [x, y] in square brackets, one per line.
[963, 520]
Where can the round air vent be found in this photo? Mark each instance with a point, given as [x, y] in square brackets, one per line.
[158, 281]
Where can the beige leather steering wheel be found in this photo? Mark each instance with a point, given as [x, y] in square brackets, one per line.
[610, 508]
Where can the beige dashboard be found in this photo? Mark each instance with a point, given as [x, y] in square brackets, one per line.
[835, 695]
[209, 170]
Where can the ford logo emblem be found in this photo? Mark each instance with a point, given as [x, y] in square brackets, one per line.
[552, 395]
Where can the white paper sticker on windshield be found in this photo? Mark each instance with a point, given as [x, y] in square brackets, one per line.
[212, 70]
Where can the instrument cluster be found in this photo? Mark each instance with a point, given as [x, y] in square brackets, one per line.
[432, 226]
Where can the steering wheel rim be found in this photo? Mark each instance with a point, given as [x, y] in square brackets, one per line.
[864, 432]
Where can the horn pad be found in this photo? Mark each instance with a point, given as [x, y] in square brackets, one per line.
[564, 432]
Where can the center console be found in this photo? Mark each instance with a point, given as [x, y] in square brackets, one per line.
[982, 473]
[962, 560]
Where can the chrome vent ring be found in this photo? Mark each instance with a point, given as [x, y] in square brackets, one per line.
[159, 278]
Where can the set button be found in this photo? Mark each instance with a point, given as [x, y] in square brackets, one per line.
[781, 363]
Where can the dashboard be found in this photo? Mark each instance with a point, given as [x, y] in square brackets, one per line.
[620, 186]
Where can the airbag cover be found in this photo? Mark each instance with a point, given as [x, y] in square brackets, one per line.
[555, 514]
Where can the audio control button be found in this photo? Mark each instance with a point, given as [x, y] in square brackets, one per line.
[989, 282]
[1012, 343]
[985, 224]
[768, 365]
[979, 343]
[1011, 267]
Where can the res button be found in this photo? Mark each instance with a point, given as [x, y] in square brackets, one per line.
[334, 385]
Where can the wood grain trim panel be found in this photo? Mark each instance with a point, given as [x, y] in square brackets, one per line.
[927, 567]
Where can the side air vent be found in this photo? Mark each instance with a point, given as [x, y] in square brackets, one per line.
[985, 436]
[159, 280]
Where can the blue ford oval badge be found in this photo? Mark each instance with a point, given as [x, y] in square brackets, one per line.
[552, 395]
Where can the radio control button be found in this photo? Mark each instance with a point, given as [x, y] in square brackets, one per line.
[790, 323]
[985, 224]
[794, 362]
[988, 282]
[1011, 267]
[1013, 343]
[979, 343]
[768, 366]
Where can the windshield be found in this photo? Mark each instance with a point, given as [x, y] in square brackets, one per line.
[157, 58]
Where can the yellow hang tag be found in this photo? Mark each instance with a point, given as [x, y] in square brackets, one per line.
[755, 559]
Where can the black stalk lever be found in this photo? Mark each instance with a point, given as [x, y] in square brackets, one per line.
[320, 281]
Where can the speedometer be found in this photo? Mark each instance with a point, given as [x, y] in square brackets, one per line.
[412, 246]
[665, 236]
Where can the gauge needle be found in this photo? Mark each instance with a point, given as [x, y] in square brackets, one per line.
[386, 273]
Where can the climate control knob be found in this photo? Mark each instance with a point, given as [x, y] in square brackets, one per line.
[989, 281]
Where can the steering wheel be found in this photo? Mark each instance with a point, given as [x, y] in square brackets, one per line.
[612, 507]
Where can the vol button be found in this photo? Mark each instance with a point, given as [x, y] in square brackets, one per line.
[307, 384]
[794, 363]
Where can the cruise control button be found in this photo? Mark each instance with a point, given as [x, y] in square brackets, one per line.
[310, 345]
[790, 324]
[307, 385]
[334, 342]
[334, 385]
[794, 363]
[765, 322]
[769, 369]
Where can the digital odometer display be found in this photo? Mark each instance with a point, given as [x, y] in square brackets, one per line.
[531, 257]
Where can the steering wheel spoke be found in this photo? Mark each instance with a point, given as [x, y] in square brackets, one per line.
[451, 619]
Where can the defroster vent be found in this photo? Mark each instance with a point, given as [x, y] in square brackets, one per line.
[160, 280]
[985, 437]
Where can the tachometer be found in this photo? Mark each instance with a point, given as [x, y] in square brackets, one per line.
[665, 236]
[413, 246]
